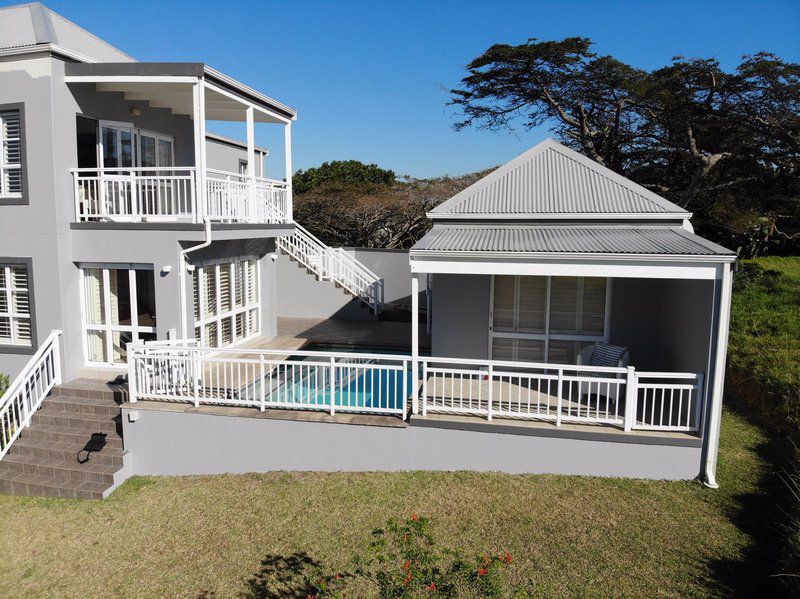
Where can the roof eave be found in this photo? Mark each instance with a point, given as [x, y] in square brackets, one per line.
[591, 256]
[604, 216]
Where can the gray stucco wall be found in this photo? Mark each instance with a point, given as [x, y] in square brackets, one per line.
[41, 228]
[226, 157]
[460, 316]
[176, 443]
[302, 295]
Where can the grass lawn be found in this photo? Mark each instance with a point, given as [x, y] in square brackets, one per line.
[207, 536]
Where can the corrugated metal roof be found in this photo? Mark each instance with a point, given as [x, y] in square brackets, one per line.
[553, 179]
[593, 239]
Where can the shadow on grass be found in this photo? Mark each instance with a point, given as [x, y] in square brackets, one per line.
[297, 575]
[761, 515]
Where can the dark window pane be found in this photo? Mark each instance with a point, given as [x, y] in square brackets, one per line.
[146, 298]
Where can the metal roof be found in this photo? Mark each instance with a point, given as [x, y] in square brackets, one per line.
[560, 239]
[31, 25]
[551, 179]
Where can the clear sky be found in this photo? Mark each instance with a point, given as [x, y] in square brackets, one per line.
[370, 79]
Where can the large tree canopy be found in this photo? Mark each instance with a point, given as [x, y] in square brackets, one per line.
[725, 145]
[341, 172]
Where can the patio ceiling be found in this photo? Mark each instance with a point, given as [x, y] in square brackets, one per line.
[169, 85]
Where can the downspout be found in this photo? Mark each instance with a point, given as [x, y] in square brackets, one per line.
[182, 270]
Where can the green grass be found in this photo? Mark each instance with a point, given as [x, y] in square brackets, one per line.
[569, 535]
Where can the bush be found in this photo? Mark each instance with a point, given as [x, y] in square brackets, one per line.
[5, 381]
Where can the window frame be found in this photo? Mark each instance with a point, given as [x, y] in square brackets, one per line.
[107, 329]
[201, 321]
[22, 198]
[16, 348]
[546, 337]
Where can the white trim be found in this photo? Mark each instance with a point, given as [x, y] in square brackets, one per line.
[245, 102]
[130, 79]
[584, 266]
[527, 216]
[13, 316]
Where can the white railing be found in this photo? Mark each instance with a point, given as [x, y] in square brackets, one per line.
[240, 198]
[29, 388]
[134, 194]
[334, 264]
[378, 383]
[329, 381]
[562, 393]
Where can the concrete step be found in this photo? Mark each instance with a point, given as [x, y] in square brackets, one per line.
[94, 423]
[82, 405]
[57, 451]
[13, 482]
[63, 469]
[95, 388]
[71, 436]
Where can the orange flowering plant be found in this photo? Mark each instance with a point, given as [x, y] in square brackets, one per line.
[404, 561]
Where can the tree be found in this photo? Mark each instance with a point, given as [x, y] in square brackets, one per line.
[725, 145]
[341, 172]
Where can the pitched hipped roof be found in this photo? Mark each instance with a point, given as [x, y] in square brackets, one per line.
[552, 180]
[560, 239]
[30, 25]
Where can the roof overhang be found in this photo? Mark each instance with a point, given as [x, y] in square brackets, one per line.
[554, 216]
[169, 85]
[571, 265]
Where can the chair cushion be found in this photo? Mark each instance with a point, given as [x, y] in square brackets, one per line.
[606, 355]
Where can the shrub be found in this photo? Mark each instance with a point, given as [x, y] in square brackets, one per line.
[5, 381]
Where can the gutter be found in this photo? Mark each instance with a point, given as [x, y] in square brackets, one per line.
[182, 274]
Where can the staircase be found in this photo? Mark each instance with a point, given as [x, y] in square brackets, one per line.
[336, 265]
[72, 446]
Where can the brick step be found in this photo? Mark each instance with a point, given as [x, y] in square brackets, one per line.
[62, 470]
[89, 388]
[58, 451]
[65, 434]
[75, 420]
[13, 482]
[82, 405]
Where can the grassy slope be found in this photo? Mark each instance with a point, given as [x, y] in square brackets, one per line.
[573, 535]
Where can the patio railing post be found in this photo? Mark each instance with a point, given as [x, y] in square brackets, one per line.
[263, 382]
[559, 399]
[198, 377]
[489, 394]
[631, 398]
[333, 385]
[131, 373]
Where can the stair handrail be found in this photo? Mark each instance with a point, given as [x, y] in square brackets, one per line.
[28, 389]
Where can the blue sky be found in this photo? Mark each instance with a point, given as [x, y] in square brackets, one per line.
[370, 79]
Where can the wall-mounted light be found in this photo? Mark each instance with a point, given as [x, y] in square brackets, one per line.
[135, 111]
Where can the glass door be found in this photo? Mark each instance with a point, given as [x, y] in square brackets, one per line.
[116, 152]
[157, 188]
[118, 308]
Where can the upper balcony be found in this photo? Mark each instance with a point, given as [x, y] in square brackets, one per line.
[127, 167]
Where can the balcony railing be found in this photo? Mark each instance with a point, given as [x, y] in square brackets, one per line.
[170, 194]
[382, 384]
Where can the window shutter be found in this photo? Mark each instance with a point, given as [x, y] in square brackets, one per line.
[210, 276]
[252, 281]
[10, 153]
[225, 287]
[503, 308]
[593, 310]
[239, 283]
[532, 304]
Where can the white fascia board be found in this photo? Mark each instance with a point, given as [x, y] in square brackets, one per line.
[250, 91]
[576, 265]
[48, 49]
[563, 216]
[245, 102]
[130, 79]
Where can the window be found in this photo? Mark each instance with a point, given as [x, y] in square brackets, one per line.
[547, 319]
[226, 302]
[10, 154]
[15, 306]
[119, 308]
[242, 167]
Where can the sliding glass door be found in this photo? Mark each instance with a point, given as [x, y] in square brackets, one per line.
[547, 319]
[119, 307]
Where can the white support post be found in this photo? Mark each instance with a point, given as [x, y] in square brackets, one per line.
[199, 121]
[262, 400]
[131, 373]
[57, 378]
[489, 393]
[631, 398]
[287, 134]
[715, 409]
[332, 384]
[251, 163]
[415, 343]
